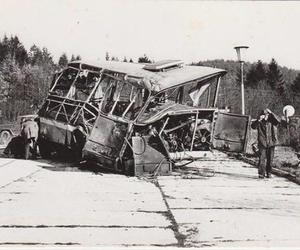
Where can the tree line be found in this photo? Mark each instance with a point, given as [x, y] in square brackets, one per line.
[266, 85]
[141, 59]
[25, 77]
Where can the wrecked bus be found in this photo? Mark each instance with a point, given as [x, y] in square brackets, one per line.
[138, 118]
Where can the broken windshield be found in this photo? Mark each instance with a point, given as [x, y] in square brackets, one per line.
[123, 99]
[194, 94]
[63, 84]
[84, 85]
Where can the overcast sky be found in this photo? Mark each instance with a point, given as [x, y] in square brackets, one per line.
[188, 30]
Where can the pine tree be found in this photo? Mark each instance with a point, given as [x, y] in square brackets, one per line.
[144, 59]
[296, 84]
[237, 76]
[260, 71]
[14, 49]
[251, 79]
[17, 51]
[47, 58]
[35, 55]
[4, 48]
[63, 60]
[12, 92]
[75, 58]
[274, 77]
[107, 56]
[72, 58]
[256, 74]
[25, 76]
[125, 59]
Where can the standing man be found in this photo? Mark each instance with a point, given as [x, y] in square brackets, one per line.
[29, 133]
[267, 139]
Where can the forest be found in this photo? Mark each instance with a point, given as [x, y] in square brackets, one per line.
[25, 77]
[267, 85]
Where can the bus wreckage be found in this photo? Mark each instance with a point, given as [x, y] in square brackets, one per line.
[138, 118]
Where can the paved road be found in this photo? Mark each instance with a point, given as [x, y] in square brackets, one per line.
[48, 203]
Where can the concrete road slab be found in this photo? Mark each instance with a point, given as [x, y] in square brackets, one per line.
[240, 225]
[87, 236]
[12, 169]
[256, 194]
[233, 207]
[44, 206]
[222, 203]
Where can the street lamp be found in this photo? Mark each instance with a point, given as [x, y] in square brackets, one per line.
[241, 61]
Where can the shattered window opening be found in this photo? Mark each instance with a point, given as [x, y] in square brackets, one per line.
[84, 85]
[124, 100]
[195, 94]
[64, 82]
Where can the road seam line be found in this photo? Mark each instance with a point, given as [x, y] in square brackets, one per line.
[179, 236]
[23, 177]
[7, 163]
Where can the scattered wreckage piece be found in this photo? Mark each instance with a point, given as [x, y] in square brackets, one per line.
[136, 118]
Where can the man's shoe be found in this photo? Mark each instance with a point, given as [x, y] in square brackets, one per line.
[260, 176]
[269, 176]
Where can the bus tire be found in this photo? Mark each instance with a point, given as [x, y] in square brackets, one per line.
[44, 148]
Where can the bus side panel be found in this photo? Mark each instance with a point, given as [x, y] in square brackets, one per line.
[56, 132]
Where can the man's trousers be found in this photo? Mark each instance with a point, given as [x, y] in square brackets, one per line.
[265, 160]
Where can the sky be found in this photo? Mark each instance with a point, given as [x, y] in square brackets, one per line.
[187, 30]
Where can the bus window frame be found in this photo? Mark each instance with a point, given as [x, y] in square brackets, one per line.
[180, 98]
[96, 84]
[60, 76]
[114, 87]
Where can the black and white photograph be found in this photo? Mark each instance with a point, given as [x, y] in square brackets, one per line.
[152, 124]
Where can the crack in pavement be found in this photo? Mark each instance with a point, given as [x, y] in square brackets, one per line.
[7, 163]
[225, 208]
[38, 243]
[73, 243]
[80, 226]
[174, 225]
[149, 212]
[21, 178]
[216, 240]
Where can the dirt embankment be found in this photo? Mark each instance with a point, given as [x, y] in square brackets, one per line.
[287, 159]
[286, 162]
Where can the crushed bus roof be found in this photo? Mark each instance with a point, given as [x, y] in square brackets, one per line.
[159, 80]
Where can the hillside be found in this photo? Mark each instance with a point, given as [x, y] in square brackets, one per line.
[262, 89]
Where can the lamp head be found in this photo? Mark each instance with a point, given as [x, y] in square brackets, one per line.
[238, 52]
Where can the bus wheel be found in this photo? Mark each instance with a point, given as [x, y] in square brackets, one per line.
[44, 148]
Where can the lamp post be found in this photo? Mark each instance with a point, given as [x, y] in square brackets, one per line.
[241, 61]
